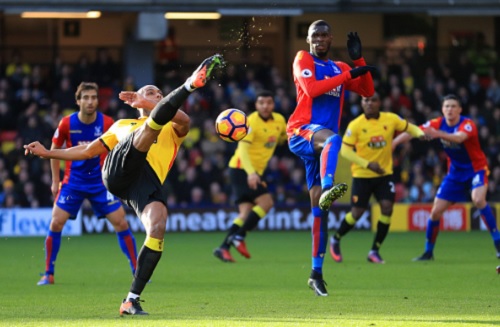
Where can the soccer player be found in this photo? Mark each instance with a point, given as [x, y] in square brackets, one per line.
[467, 170]
[141, 152]
[83, 180]
[314, 125]
[267, 129]
[371, 134]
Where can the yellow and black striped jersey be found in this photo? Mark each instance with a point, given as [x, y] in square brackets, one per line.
[372, 139]
[162, 153]
[263, 136]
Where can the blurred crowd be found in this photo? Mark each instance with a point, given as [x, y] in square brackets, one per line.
[33, 99]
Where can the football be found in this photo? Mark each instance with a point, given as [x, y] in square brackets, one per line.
[231, 125]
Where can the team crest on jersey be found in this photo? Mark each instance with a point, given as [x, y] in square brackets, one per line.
[97, 131]
[306, 73]
[336, 70]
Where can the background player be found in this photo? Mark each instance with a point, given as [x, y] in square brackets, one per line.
[467, 170]
[267, 129]
[141, 152]
[371, 134]
[313, 127]
[83, 180]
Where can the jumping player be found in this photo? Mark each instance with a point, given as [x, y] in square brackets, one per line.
[467, 171]
[141, 153]
[314, 125]
[83, 180]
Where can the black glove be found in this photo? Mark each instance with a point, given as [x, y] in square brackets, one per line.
[358, 71]
[354, 45]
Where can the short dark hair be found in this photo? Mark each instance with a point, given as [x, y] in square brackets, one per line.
[264, 93]
[452, 97]
[84, 86]
[320, 22]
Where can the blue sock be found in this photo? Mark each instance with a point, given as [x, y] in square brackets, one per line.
[52, 246]
[127, 244]
[319, 238]
[328, 161]
[431, 234]
[490, 222]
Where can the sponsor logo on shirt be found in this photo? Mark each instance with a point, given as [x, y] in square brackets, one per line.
[377, 142]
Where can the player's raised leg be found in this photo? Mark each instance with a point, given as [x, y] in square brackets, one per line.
[328, 165]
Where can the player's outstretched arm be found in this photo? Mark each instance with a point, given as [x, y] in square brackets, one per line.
[457, 137]
[80, 152]
[400, 139]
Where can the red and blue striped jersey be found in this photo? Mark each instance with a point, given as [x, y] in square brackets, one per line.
[320, 91]
[466, 156]
[82, 173]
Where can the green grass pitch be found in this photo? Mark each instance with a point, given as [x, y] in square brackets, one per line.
[192, 288]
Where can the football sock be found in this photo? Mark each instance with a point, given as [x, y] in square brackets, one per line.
[382, 230]
[52, 246]
[131, 295]
[319, 238]
[316, 275]
[345, 226]
[149, 256]
[328, 161]
[237, 223]
[253, 218]
[431, 234]
[126, 241]
[166, 109]
[490, 222]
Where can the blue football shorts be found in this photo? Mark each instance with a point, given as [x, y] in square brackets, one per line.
[302, 145]
[70, 199]
[458, 187]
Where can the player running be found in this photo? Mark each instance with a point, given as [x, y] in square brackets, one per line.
[141, 152]
[371, 134]
[83, 180]
[267, 130]
[314, 125]
[467, 171]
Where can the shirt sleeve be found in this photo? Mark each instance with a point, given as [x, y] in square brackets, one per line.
[434, 123]
[350, 136]
[303, 72]
[109, 139]
[62, 132]
[363, 85]
[400, 124]
[468, 127]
